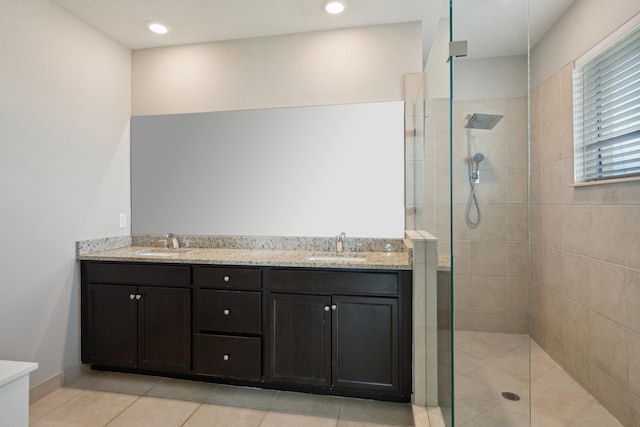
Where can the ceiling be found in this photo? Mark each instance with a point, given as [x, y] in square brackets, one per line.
[493, 27]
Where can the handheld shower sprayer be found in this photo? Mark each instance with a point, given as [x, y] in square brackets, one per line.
[475, 172]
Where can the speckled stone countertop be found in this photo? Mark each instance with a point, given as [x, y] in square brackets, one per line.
[258, 257]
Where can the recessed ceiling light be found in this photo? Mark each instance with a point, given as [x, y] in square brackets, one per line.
[334, 7]
[157, 27]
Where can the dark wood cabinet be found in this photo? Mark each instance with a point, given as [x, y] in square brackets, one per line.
[164, 329]
[365, 343]
[300, 337]
[336, 331]
[228, 322]
[345, 331]
[113, 325]
[136, 326]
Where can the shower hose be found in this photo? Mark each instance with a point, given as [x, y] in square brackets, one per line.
[470, 203]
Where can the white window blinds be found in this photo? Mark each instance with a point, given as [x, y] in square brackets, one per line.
[607, 112]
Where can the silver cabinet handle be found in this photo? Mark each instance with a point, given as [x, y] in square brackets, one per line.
[132, 296]
[226, 278]
[138, 296]
[327, 308]
[225, 357]
[334, 307]
[226, 312]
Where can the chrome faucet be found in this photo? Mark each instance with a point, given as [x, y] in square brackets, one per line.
[340, 242]
[172, 240]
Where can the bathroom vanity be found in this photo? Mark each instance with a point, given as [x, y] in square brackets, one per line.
[272, 319]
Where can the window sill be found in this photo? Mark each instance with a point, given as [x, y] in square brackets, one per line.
[606, 181]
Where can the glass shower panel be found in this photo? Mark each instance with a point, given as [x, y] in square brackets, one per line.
[487, 213]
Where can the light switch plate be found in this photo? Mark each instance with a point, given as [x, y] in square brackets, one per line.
[123, 220]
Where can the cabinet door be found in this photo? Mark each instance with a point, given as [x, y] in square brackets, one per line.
[112, 318]
[365, 343]
[164, 330]
[300, 343]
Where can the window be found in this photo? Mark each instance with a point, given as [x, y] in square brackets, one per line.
[607, 111]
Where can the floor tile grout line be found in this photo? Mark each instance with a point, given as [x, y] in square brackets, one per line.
[127, 407]
[58, 406]
[192, 414]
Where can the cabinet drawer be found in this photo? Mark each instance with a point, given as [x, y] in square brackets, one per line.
[139, 274]
[226, 356]
[227, 277]
[321, 281]
[228, 311]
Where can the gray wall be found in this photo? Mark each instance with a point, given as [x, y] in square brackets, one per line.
[64, 172]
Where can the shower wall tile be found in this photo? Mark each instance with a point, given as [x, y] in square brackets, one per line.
[551, 98]
[489, 258]
[611, 395]
[609, 233]
[517, 323]
[518, 150]
[608, 290]
[576, 327]
[633, 299]
[632, 236]
[517, 222]
[517, 295]
[536, 223]
[553, 313]
[552, 226]
[518, 259]
[462, 254]
[492, 188]
[537, 258]
[567, 135]
[551, 140]
[608, 347]
[634, 410]
[489, 293]
[633, 341]
[536, 147]
[493, 225]
[577, 366]
[552, 189]
[536, 186]
[576, 278]
[517, 186]
[536, 114]
[552, 269]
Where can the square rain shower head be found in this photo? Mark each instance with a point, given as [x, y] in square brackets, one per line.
[482, 121]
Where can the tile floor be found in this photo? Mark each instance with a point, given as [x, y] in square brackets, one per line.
[119, 400]
[486, 365]
[489, 363]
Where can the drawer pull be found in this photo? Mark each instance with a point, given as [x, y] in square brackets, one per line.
[334, 307]
[226, 278]
[226, 312]
[132, 296]
[138, 296]
[225, 357]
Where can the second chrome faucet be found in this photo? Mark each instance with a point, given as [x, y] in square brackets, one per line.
[340, 242]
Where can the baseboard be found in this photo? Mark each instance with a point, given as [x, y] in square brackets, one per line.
[46, 387]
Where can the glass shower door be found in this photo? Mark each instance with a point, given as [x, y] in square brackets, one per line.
[487, 214]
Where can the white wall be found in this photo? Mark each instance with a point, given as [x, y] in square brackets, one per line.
[365, 64]
[64, 172]
[580, 28]
[474, 78]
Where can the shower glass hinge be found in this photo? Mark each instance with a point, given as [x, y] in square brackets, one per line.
[457, 48]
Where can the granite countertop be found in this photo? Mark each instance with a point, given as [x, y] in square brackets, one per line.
[258, 257]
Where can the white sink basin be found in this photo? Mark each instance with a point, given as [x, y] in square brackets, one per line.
[157, 252]
[337, 257]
